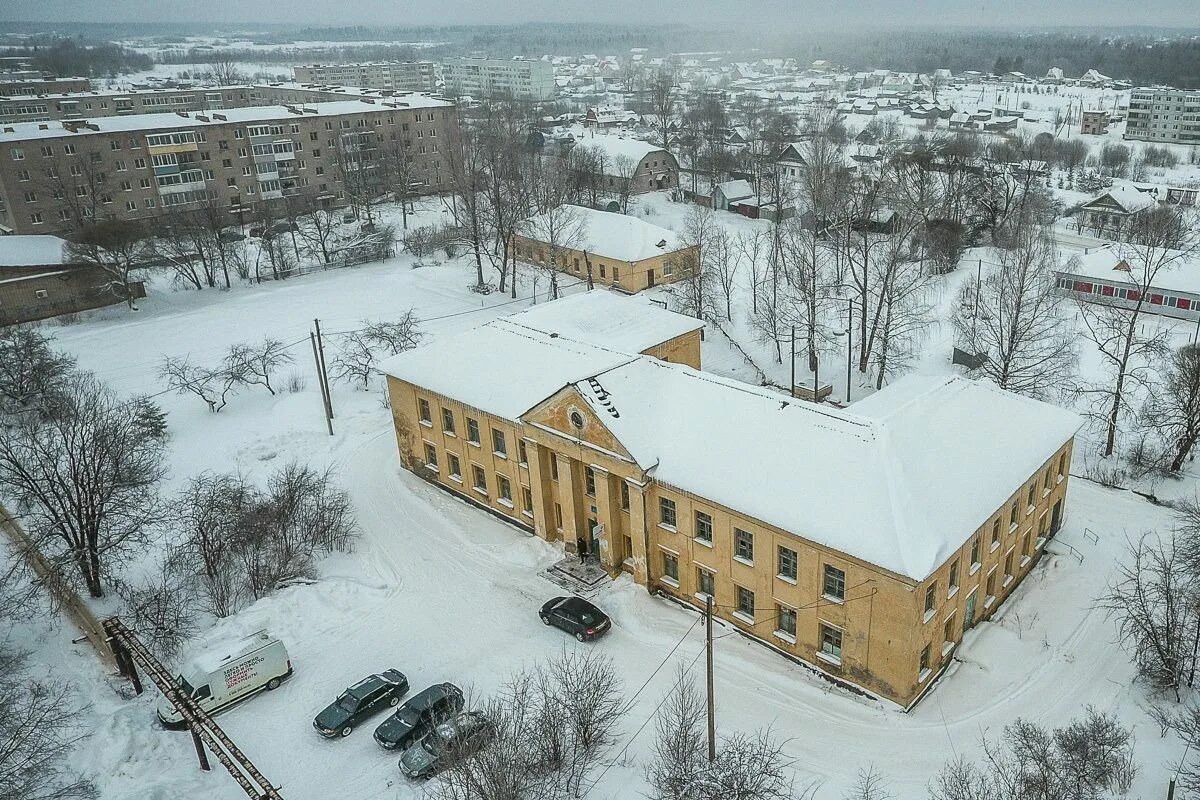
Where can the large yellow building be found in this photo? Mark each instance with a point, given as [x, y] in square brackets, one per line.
[862, 542]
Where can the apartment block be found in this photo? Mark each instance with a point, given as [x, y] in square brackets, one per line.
[493, 77]
[55, 176]
[862, 542]
[413, 76]
[1164, 115]
[26, 86]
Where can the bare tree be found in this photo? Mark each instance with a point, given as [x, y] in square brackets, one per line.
[869, 784]
[753, 246]
[32, 373]
[1015, 320]
[359, 349]
[162, 610]
[41, 726]
[225, 72]
[253, 365]
[210, 385]
[80, 187]
[623, 171]
[84, 479]
[562, 229]
[1173, 406]
[240, 542]
[694, 288]
[117, 247]
[1088, 759]
[1153, 598]
[747, 767]
[724, 259]
[466, 162]
[662, 104]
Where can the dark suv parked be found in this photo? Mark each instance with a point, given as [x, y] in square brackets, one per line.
[360, 701]
[421, 714]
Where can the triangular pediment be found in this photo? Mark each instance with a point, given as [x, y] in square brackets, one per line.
[569, 413]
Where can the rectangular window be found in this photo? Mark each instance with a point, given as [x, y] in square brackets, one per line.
[589, 481]
[504, 488]
[785, 620]
[706, 582]
[558, 516]
[931, 597]
[704, 526]
[666, 512]
[953, 576]
[995, 532]
[1012, 515]
[431, 456]
[745, 601]
[423, 412]
[1025, 545]
[455, 468]
[923, 664]
[671, 566]
[527, 500]
[975, 551]
[990, 586]
[1062, 465]
[1008, 567]
[522, 453]
[788, 562]
[834, 584]
[624, 496]
[448, 421]
[1032, 495]
[743, 544]
[472, 431]
[478, 478]
[499, 445]
[948, 631]
[553, 467]
[831, 642]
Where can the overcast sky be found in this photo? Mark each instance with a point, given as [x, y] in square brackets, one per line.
[798, 13]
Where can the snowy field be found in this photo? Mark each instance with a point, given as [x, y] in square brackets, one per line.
[442, 591]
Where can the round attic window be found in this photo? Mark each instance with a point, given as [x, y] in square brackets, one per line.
[576, 419]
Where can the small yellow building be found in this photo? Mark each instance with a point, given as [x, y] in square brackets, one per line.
[862, 542]
[622, 251]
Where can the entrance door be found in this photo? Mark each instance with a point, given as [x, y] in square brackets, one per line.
[591, 540]
[649, 278]
[969, 616]
[1056, 519]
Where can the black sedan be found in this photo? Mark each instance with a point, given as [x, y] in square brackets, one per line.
[419, 715]
[576, 616]
[360, 701]
[456, 738]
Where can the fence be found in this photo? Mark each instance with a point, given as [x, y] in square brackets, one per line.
[60, 592]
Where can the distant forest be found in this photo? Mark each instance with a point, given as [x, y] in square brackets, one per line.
[67, 57]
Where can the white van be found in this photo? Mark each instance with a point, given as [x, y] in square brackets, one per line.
[228, 673]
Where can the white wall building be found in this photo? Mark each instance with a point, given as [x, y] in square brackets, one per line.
[494, 77]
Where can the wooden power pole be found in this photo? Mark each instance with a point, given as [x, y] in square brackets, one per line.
[712, 711]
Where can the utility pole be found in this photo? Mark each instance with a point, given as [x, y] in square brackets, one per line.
[712, 712]
[321, 384]
[324, 371]
[849, 343]
[792, 387]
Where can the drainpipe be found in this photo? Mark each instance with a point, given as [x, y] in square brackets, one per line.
[646, 526]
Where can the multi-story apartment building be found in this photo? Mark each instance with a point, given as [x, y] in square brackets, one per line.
[48, 85]
[862, 542]
[1164, 115]
[125, 102]
[54, 176]
[496, 77]
[411, 76]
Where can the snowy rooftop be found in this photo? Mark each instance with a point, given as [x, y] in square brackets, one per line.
[501, 367]
[1128, 197]
[136, 122]
[607, 319]
[30, 251]
[900, 480]
[1108, 264]
[615, 146]
[609, 235]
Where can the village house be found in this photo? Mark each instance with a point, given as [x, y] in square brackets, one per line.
[867, 561]
[645, 166]
[1112, 211]
[618, 250]
[609, 117]
[37, 281]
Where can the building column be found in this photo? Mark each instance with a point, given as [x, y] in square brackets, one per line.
[607, 500]
[639, 513]
[540, 487]
[567, 498]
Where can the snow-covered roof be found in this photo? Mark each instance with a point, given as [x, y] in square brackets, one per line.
[1108, 264]
[736, 190]
[200, 119]
[30, 251]
[611, 235]
[615, 146]
[604, 318]
[898, 480]
[1127, 197]
[502, 368]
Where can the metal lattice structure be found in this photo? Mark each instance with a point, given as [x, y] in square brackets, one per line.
[130, 653]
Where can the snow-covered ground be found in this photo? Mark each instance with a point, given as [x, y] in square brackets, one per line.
[443, 591]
